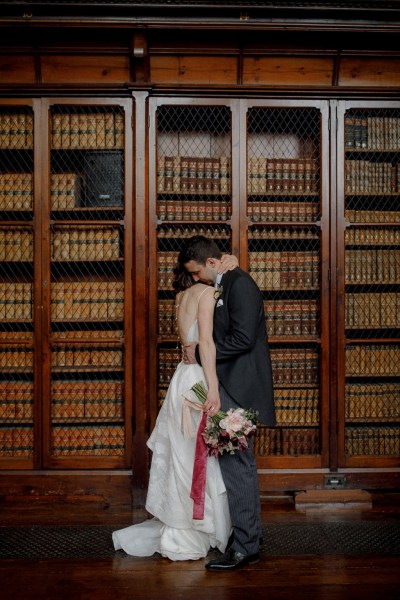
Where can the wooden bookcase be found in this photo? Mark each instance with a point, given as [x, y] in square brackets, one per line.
[368, 251]
[66, 279]
[304, 191]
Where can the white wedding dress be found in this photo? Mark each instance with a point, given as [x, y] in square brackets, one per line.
[173, 532]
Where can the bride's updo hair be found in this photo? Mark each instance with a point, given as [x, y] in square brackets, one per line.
[182, 279]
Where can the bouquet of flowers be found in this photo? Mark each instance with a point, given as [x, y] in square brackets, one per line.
[226, 431]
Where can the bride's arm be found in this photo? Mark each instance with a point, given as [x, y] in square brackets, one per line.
[207, 350]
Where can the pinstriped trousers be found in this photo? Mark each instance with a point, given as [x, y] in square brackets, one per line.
[239, 473]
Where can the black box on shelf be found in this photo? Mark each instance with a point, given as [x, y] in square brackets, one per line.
[103, 179]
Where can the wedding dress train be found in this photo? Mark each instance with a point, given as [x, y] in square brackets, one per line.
[173, 532]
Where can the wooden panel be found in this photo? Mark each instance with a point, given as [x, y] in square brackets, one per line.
[282, 70]
[369, 72]
[85, 69]
[17, 69]
[193, 69]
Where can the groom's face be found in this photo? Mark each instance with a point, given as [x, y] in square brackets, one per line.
[205, 273]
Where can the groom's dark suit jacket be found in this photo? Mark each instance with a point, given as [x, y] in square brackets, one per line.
[243, 358]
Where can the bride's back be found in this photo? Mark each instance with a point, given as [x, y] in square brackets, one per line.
[187, 304]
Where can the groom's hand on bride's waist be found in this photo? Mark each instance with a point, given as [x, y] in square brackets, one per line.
[189, 353]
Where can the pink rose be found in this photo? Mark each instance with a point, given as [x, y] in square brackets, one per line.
[233, 421]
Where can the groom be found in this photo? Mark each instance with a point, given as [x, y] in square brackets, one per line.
[245, 377]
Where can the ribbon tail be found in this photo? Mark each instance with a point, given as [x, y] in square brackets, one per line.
[198, 491]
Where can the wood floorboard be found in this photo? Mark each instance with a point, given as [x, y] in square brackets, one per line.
[280, 578]
[294, 577]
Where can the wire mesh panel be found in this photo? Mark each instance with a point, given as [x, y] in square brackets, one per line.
[284, 259]
[193, 163]
[87, 293]
[16, 283]
[193, 198]
[372, 278]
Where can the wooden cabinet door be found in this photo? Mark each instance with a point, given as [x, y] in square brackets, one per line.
[368, 250]
[285, 246]
[19, 273]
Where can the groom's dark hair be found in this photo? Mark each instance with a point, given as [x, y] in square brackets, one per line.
[199, 248]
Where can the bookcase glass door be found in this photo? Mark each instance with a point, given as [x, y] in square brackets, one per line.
[370, 389]
[87, 284]
[17, 444]
[284, 258]
[192, 196]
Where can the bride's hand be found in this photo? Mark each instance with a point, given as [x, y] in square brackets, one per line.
[228, 262]
[213, 404]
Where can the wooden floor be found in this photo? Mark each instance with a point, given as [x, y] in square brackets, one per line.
[329, 577]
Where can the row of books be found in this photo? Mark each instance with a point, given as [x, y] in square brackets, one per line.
[292, 317]
[372, 266]
[376, 359]
[16, 335]
[285, 270]
[297, 407]
[116, 334]
[366, 177]
[87, 130]
[16, 358]
[286, 442]
[88, 440]
[373, 216]
[191, 209]
[282, 176]
[87, 399]
[373, 310]
[166, 262]
[16, 244]
[16, 400]
[282, 211]
[87, 357]
[168, 360]
[372, 133]
[64, 190]
[16, 191]
[86, 243]
[372, 401]
[179, 232]
[87, 300]
[167, 318]
[378, 441]
[379, 236]
[193, 175]
[16, 131]
[16, 441]
[89, 390]
[283, 233]
[15, 301]
[292, 366]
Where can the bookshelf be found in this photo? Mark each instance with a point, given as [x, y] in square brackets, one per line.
[17, 274]
[369, 233]
[64, 261]
[88, 376]
[287, 226]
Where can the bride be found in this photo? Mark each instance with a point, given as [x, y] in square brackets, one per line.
[172, 531]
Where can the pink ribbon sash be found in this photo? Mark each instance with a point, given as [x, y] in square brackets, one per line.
[198, 491]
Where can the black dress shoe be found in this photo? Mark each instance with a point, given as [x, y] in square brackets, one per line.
[232, 559]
